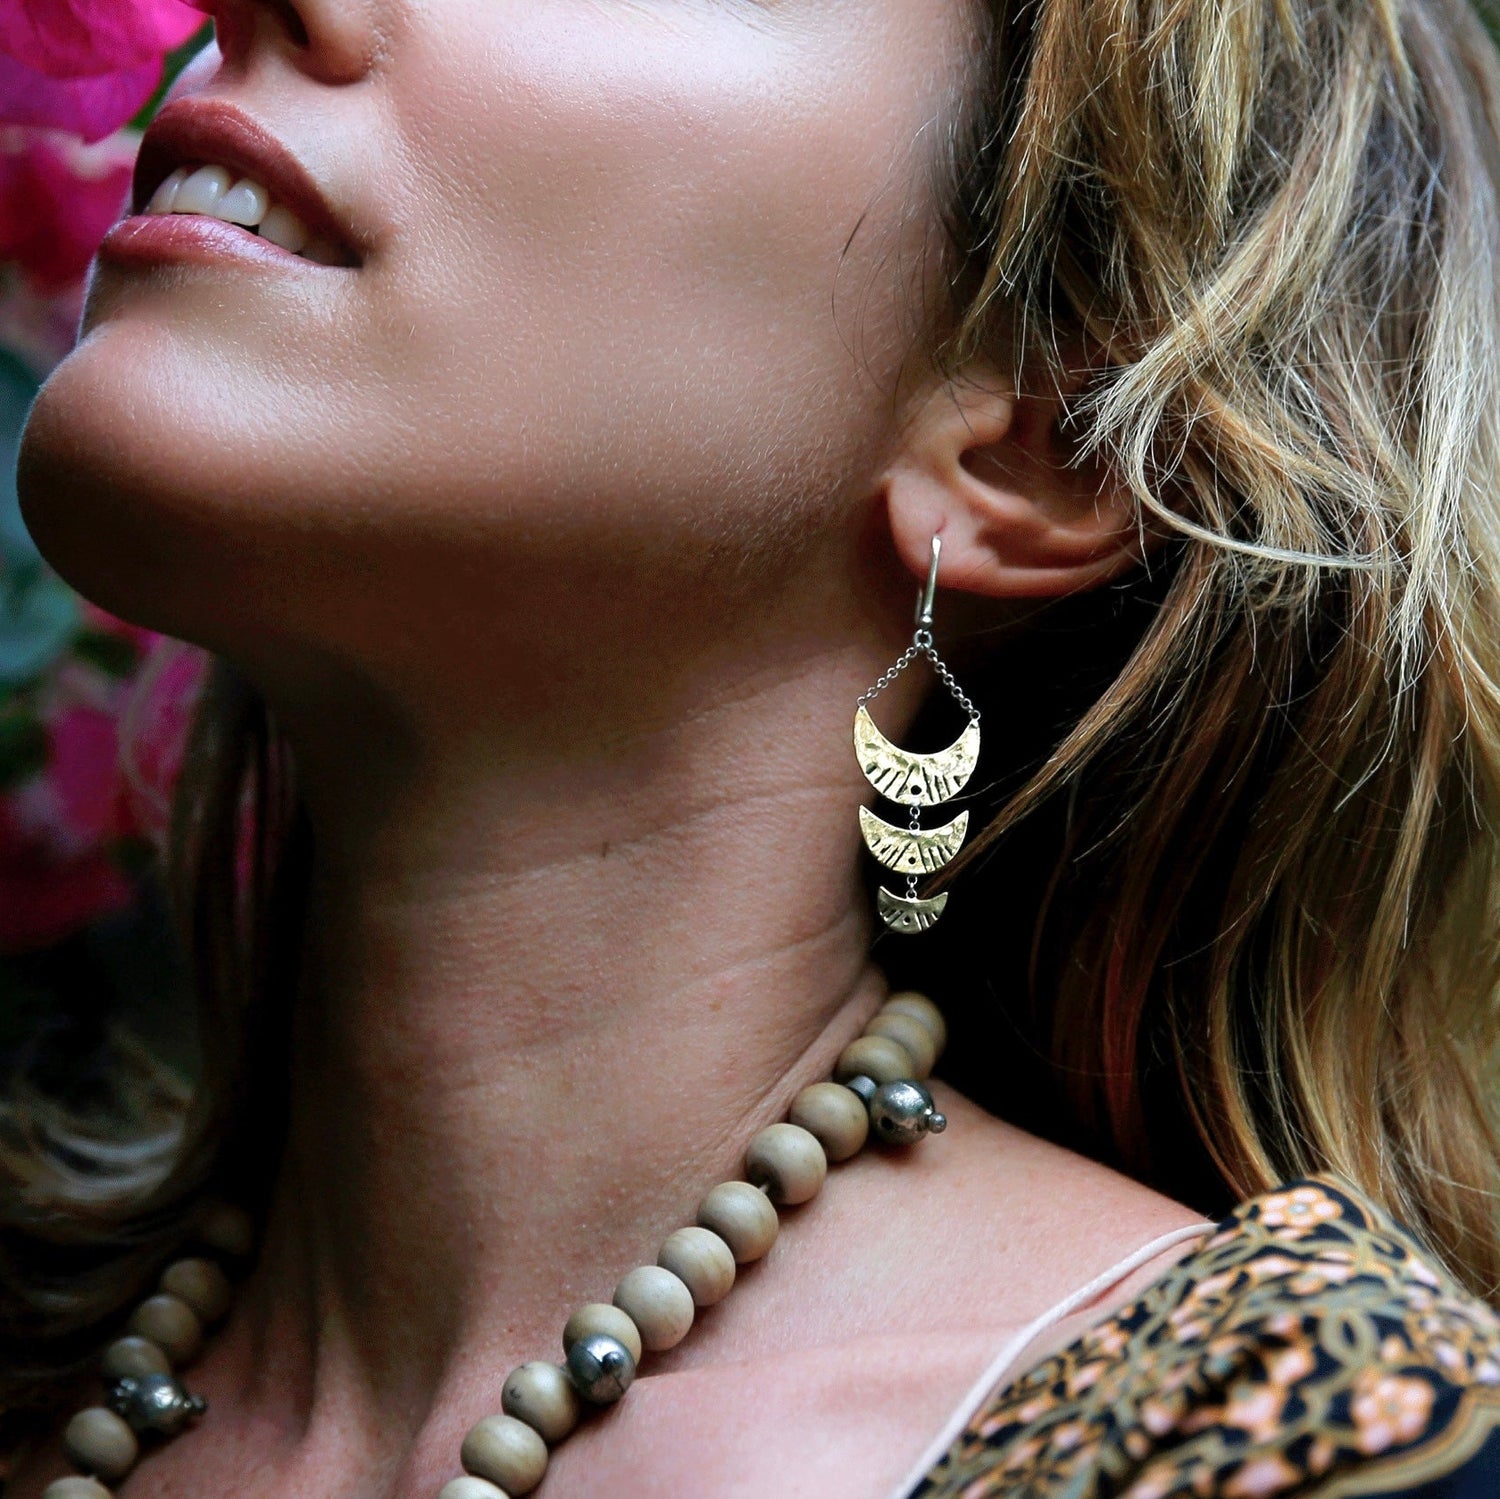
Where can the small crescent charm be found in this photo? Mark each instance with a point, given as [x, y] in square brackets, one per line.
[903, 914]
[908, 852]
[914, 780]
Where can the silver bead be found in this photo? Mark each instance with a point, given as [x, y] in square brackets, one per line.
[901, 1113]
[863, 1086]
[601, 1368]
[154, 1402]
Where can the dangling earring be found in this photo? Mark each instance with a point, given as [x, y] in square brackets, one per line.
[915, 781]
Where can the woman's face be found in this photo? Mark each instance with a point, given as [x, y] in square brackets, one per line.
[635, 282]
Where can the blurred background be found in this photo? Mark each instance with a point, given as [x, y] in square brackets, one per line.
[93, 712]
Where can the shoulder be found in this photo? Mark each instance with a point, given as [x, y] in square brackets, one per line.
[1309, 1348]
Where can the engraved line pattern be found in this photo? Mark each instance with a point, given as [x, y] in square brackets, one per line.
[914, 780]
[919, 852]
[903, 915]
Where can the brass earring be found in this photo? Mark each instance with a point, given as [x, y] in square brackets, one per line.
[915, 781]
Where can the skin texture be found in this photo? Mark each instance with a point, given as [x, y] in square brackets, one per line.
[562, 534]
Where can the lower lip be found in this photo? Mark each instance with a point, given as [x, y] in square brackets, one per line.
[192, 239]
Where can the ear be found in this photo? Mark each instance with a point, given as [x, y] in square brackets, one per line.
[995, 474]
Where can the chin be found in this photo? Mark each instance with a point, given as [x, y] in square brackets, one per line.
[118, 476]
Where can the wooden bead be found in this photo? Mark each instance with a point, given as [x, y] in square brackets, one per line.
[597, 1317]
[743, 1217]
[74, 1487]
[789, 1160]
[469, 1487]
[227, 1228]
[702, 1261]
[507, 1452]
[911, 1035]
[200, 1283]
[543, 1397]
[835, 1117]
[876, 1057]
[919, 1007]
[170, 1323]
[658, 1303]
[133, 1355]
[98, 1441]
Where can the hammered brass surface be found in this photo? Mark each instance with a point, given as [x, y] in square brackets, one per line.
[912, 779]
[919, 852]
[903, 914]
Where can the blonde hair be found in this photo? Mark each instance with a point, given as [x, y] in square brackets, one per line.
[1277, 222]
[1273, 829]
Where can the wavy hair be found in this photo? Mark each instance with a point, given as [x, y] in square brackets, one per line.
[1267, 773]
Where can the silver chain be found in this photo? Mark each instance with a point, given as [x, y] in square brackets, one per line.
[922, 646]
[890, 675]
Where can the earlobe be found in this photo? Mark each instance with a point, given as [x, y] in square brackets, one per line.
[992, 472]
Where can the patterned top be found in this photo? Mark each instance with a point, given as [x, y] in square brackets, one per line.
[1307, 1349]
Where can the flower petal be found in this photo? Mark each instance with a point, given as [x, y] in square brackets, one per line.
[86, 38]
[90, 107]
[52, 213]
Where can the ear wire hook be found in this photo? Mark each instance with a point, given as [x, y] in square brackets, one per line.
[929, 593]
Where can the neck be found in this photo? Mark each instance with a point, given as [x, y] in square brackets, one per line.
[554, 983]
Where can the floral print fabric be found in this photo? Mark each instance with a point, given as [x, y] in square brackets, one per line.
[1307, 1349]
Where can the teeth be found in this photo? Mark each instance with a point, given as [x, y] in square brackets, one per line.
[211, 190]
[282, 227]
[245, 203]
[164, 197]
[202, 191]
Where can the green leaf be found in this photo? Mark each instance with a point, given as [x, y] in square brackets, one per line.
[111, 654]
[23, 747]
[177, 59]
[134, 857]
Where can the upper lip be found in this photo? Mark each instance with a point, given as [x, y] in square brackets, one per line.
[209, 132]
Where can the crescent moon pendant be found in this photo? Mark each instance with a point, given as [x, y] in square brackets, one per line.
[914, 780]
[910, 916]
[921, 852]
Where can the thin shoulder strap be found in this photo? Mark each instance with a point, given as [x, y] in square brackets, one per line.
[1015, 1346]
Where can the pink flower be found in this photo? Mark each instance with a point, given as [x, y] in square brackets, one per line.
[44, 899]
[55, 834]
[115, 731]
[75, 807]
[85, 65]
[154, 734]
[58, 200]
[77, 38]
[90, 107]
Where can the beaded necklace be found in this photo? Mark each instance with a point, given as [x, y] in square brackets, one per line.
[878, 1088]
